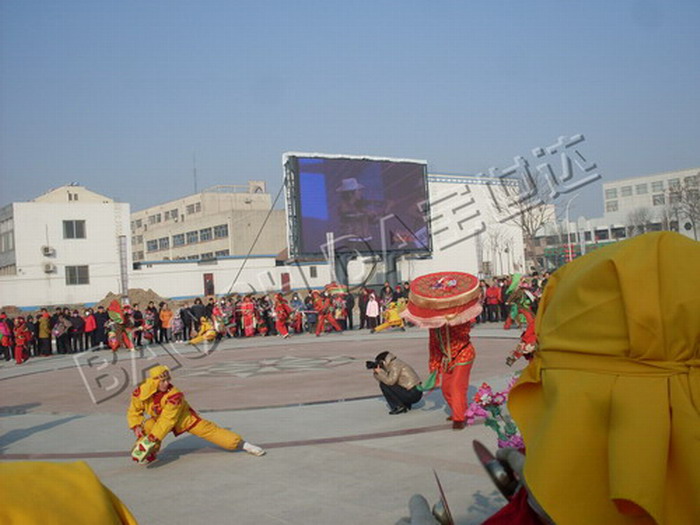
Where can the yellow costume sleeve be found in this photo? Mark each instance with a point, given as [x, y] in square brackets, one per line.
[134, 415]
[172, 411]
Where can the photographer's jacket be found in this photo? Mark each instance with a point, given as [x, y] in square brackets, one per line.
[396, 372]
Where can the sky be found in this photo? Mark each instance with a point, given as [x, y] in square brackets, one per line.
[123, 96]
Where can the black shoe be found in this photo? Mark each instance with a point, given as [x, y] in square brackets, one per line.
[399, 410]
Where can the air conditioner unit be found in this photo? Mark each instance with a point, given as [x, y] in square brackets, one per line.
[49, 267]
[48, 251]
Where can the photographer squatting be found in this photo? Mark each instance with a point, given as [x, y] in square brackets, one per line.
[398, 381]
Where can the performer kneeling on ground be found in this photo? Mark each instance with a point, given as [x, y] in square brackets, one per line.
[168, 410]
[398, 382]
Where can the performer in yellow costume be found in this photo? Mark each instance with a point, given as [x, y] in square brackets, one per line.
[391, 318]
[45, 492]
[206, 332]
[169, 411]
[609, 407]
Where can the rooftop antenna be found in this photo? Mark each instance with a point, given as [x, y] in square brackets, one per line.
[194, 170]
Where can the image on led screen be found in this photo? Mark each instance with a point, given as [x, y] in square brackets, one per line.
[353, 197]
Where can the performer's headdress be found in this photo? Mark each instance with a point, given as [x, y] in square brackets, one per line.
[115, 312]
[150, 385]
[608, 407]
[444, 298]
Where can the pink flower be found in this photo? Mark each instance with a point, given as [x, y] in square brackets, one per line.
[499, 398]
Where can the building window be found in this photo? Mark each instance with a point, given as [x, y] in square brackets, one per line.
[611, 206]
[312, 272]
[674, 184]
[205, 234]
[626, 191]
[674, 197]
[657, 186]
[619, 233]
[152, 246]
[154, 219]
[194, 208]
[164, 243]
[193, 257]
[222, 253]
[138, 223]
[641, 189]
[179, 239]
[77, 275]
[6, 242]
[602, 235]
[174, 214]
[659, 200]
[611, 193]
[208, 255]
[692, 182]
[221, 231]
[73, 229]
[166, 216]
[587, 236]
[192, 237]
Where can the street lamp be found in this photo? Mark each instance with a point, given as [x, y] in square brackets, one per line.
[568, 228]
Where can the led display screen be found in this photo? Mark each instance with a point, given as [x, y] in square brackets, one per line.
[370, 205]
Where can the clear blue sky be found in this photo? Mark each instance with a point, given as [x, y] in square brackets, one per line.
[118, 95]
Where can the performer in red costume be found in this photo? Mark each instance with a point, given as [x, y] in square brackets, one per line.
[121, 325]
[324, 309]
[248, 314]
[22, 339]
[447, 303]
[282, 313]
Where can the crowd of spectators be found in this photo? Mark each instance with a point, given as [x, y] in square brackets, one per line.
[68, 331]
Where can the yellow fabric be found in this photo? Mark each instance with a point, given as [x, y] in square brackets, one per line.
[215, 434]
[43, 492]
[206, 332]
[609, 406]
[175, 415]
[208, 430]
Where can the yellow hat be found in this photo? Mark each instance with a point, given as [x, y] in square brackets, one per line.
[610, 406]
[150, 385]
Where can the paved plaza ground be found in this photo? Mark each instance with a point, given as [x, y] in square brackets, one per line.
[335, 456]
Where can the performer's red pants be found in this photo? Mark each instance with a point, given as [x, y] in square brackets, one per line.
[455, 385]
[322, 318]
[281, 328]
[19, 354]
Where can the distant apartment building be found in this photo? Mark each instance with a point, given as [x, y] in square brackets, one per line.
[218, 222]
[632, 206]
[653, 199]
[69, 245]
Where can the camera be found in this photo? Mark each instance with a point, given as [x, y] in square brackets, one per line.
[371, 365]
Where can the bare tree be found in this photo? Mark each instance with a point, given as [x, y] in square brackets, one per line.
[638, 221]
[529, 209]
[686, 199]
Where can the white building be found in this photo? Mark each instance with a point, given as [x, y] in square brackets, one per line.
[651, 197]
[74, 246]
[468, 232]
[67, 246]
[218, 222]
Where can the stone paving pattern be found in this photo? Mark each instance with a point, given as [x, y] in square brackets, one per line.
[334, 454]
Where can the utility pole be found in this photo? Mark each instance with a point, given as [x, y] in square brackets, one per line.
[194, 170]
